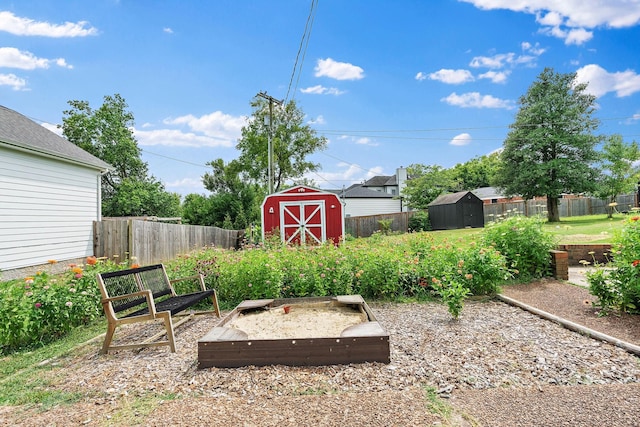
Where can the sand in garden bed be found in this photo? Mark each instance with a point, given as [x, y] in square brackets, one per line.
[302, 321]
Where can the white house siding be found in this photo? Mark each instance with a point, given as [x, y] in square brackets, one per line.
[47, 209]
[364, 206]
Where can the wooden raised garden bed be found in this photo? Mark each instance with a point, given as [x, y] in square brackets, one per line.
[296, 331]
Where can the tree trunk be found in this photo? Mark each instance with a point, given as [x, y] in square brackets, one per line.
[553, 214]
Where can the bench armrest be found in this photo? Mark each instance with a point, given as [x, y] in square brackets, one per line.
[199, 277]
[145, 293]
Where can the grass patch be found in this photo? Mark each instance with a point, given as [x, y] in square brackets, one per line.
[586, 229]
[26, 375]
[570, 230]
[134, 410]
[437, 406]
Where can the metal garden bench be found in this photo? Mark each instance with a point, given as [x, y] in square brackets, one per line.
[145, 294]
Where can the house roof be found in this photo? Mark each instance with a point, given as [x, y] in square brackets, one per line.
[449, 199]
[486, 193]
[358, 191]
[381, 181]
[21, 133]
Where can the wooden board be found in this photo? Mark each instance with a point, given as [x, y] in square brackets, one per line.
[227, 347]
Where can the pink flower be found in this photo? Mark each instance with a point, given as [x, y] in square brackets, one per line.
[78, 275]
[37, 305]
[68, 304]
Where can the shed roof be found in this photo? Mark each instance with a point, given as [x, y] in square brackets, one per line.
[19, 132]
[449, 199]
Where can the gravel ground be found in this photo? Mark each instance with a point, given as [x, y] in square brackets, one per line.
[496, 366]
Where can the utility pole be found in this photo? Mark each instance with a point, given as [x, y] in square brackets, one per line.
[272, 101]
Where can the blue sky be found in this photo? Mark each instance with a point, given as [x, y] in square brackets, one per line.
[389, 83]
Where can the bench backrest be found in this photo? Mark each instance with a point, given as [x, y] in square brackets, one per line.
[122, 282]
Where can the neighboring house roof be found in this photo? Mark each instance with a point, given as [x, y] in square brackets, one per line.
[19, 132]
[449, 199]
[358, 191]
[381, 181]
[486, 193]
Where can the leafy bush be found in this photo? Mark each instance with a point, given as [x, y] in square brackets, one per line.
[524, 243]
[410, 266]
[419, 222]
[618, 287]
[41, 308]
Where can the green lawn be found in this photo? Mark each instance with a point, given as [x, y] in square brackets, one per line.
[586, 229]
[570, 230]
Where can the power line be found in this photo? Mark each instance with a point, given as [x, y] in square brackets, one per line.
[302, 49]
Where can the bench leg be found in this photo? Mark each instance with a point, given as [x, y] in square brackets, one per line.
[111, 329]
[168, 325]
[216, 306]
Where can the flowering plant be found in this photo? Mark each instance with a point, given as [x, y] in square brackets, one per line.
[618, 285]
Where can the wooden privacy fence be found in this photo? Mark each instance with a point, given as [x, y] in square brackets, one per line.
[155, 242]
[567, 207]
[365, 226]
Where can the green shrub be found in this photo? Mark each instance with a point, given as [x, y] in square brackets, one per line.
[618, 287]
[419, 222]
[524, 243]
[42, 308]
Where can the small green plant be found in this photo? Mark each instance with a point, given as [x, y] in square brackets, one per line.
[453, 294]
[385, 226]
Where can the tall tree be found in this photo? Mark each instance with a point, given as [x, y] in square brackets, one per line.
[233, 194]
[292, 140]
[426, 184]
[107, 134]
[476, 173]
[550, 149]
[619, 170]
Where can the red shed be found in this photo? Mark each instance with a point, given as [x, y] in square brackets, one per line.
[303, 215]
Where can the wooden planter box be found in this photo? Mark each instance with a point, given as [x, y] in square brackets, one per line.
[226, 347]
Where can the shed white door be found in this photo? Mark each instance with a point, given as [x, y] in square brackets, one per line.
[303, 222]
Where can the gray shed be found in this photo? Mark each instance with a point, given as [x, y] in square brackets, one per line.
[458, 210]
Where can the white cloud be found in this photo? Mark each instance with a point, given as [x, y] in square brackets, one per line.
[452, 76]
[502, 60]
[10, 57]
[317, 121]
[576, 36]
[12, 80]
[186, 185]
[571, 19]
[421, 76]
[177, 138]
[533, 49]
[462, 139]
[28, 27]
[338, 70]
[346, 175]
[167, 30]
[215, 125]
[365, 141]
[601, 82]
[475, 100]
[321, 90]
[495, 76]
